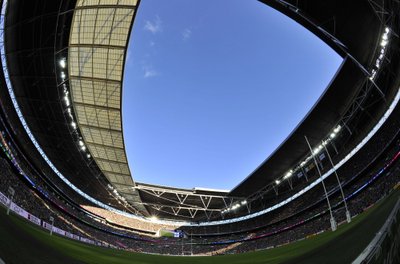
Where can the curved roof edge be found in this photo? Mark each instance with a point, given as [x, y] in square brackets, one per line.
[96, 56]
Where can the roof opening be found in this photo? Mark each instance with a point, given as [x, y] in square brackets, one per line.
[210, 91]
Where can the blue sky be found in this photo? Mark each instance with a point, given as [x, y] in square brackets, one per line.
[210, 90]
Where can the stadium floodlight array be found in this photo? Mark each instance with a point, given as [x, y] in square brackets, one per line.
[384, 43]
[63, 64]
[315, 151]
[234, 207]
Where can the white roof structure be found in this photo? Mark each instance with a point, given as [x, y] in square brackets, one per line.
[97, 47]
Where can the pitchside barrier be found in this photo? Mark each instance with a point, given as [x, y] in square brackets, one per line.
[33, 219]
[385, 247]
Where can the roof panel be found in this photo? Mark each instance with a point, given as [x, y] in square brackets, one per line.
[120, 2]
[98, 117]
[81, 3]
[87, 2]
[107, 137]
[104, 26]
[96, 62]
[121, 27]
[82, 31]
[96, 92]
[108, 153]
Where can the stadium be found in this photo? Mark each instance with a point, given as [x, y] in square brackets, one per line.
[328, 194]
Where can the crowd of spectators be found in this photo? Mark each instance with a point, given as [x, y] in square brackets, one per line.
[32, 202]
[121, 220]
[301, 218]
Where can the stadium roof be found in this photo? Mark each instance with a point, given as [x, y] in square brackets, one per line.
[93, 36]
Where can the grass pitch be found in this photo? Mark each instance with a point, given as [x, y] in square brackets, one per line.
[22, 242]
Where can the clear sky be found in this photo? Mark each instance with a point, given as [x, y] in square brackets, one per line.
[212, 88]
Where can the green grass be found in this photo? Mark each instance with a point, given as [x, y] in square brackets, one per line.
[22, 242]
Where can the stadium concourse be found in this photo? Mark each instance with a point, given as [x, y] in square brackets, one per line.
[63, 164]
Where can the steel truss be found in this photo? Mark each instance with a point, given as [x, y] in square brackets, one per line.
[176, 202]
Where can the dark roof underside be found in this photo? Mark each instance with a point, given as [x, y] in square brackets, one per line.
[32, 42]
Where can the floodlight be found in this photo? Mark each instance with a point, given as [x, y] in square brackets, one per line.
[62, 63]
[66, 100]
[337, 129]
[288, 174]
[316, 150]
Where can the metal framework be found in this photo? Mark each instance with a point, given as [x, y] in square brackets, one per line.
[187, 203]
